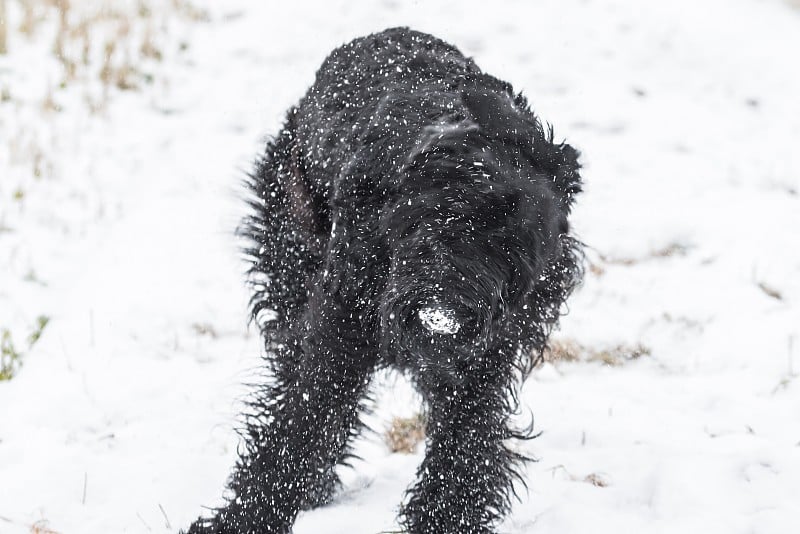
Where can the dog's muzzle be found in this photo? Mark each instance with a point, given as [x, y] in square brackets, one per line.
[434, 333]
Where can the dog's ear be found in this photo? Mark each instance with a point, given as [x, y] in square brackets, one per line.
[498, 117]
[561, 162]
[306, 212]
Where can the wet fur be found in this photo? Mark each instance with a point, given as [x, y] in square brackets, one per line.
[404, 170]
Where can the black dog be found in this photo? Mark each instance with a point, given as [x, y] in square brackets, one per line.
[412, 213]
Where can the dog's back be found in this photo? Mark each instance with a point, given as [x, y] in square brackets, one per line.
[354, 100]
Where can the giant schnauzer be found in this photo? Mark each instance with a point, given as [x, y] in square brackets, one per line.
[412, 214]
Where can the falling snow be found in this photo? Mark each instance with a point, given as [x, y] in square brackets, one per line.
[122, 417]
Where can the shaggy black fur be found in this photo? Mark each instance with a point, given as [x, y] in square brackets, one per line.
[405, 180]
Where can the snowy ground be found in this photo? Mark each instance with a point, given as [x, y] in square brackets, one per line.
[121, 417]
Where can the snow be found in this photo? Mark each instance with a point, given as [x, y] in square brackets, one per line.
[439, 320]
[122, 416]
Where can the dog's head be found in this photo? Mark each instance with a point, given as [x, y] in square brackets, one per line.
[480, 215]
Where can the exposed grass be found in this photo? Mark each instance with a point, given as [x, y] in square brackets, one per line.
[568, 350]
[770, 291]
[563, 350]
[205, 329]
[42, 527]
[114, 36]
[3, 27]
[94, 50]
[405, 433]
[595, 479]
[674, 249]
[87, 53]
[41, 322]
[10, 356]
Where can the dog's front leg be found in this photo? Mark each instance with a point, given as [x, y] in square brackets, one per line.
[300, 424]
[465, 481]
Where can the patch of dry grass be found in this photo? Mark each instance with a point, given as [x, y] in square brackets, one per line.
[42, 527]
[92, 51]
[205, 329]
[770, 291]
[3, 27]
[112, 41]
[568, 350]
[405, 433]
[10, 356]
[595, 479]
[674, 249]
[563, 350]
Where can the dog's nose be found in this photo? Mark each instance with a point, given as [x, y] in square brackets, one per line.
[439, 320]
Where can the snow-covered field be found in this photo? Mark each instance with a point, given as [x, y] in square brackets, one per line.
[117, 209]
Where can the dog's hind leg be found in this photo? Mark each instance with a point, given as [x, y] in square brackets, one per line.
[465, 481]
